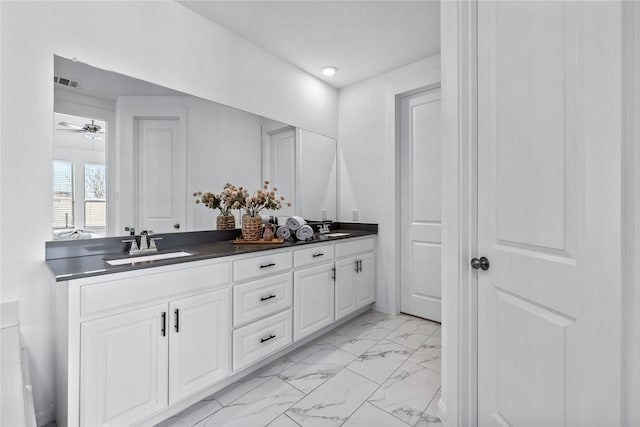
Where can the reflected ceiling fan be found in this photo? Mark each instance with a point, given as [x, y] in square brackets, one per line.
[90, 130]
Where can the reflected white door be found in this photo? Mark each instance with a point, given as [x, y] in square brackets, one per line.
[420, 193]
[549, 213]
[280, 169]
[161, 176]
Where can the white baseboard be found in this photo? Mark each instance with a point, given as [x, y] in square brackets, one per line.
[45, 416]
[442, 412]
[380, 307]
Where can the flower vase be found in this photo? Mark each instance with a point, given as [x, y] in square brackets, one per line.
[225, 222]
[251, 227]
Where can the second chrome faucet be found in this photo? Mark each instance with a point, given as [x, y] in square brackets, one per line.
[147, 243]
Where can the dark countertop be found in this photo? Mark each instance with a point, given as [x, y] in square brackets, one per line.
[65, 267]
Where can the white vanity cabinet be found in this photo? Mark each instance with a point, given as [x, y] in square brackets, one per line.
[127, 360]
[355, 282]
[313, 292]
[131, 344]
[198, 356]
[313, 289]
[124, 367]
[135, 347]
[261, 307]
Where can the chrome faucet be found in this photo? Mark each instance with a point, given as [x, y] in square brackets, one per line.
[324, 228]
[147, 243]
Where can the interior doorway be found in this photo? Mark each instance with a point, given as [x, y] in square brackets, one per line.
[419, 139]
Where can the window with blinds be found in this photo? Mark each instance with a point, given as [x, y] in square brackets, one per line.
[63, 194]
[94, 195]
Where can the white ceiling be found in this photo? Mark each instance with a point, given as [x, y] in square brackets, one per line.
[104, 84]
[361, 38]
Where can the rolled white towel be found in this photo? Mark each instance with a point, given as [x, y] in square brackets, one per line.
[304, 233]
[283, 233]
[295, 222]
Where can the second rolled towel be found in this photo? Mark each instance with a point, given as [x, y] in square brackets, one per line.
[295, 222]
[304, 233]
[283, 233]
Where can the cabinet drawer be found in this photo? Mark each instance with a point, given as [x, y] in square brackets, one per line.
[354, 247]
[260, 339]
[315, 254]
[261, 298]
[263, 265]
[139, 288]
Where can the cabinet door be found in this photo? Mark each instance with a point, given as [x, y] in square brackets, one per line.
[123, 367]
[313, 300]
[346, 289]
[366, 281]
[200, 342]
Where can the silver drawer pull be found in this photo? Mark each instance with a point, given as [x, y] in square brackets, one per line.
[318, 254]
[271, 264]
[271, 336]
[266, 298]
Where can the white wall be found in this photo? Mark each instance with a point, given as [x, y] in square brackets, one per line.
[367, 160]
[160, 42]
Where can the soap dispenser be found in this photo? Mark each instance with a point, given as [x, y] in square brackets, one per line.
[268, 232]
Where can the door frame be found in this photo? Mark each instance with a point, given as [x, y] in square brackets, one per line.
[459, 101]
[458, 404]
[630, 212]
[430, 79]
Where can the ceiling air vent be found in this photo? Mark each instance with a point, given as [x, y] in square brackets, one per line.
[64, 81]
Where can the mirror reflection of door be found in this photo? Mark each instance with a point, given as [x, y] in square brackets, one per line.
[280, 165]
[161, 168]
[79, 177]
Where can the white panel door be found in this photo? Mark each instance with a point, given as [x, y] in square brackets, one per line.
[281, 167]
[548, 214]
[161, 176]
[123, 367]
[346, 287]
[420, 195]
[200, 342]
[313, 300]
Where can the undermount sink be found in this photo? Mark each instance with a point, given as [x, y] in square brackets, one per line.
[155, 257]
[337, 234]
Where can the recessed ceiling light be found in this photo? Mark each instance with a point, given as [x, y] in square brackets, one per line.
[329, 70]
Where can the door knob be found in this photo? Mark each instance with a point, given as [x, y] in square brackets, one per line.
[176, 226]
[481, 263]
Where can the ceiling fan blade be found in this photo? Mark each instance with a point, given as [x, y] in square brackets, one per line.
[70, 130]
[70, 125]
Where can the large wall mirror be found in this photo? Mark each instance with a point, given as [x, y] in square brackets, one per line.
[130, 153]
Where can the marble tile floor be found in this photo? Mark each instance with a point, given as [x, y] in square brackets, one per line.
[375, 370]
